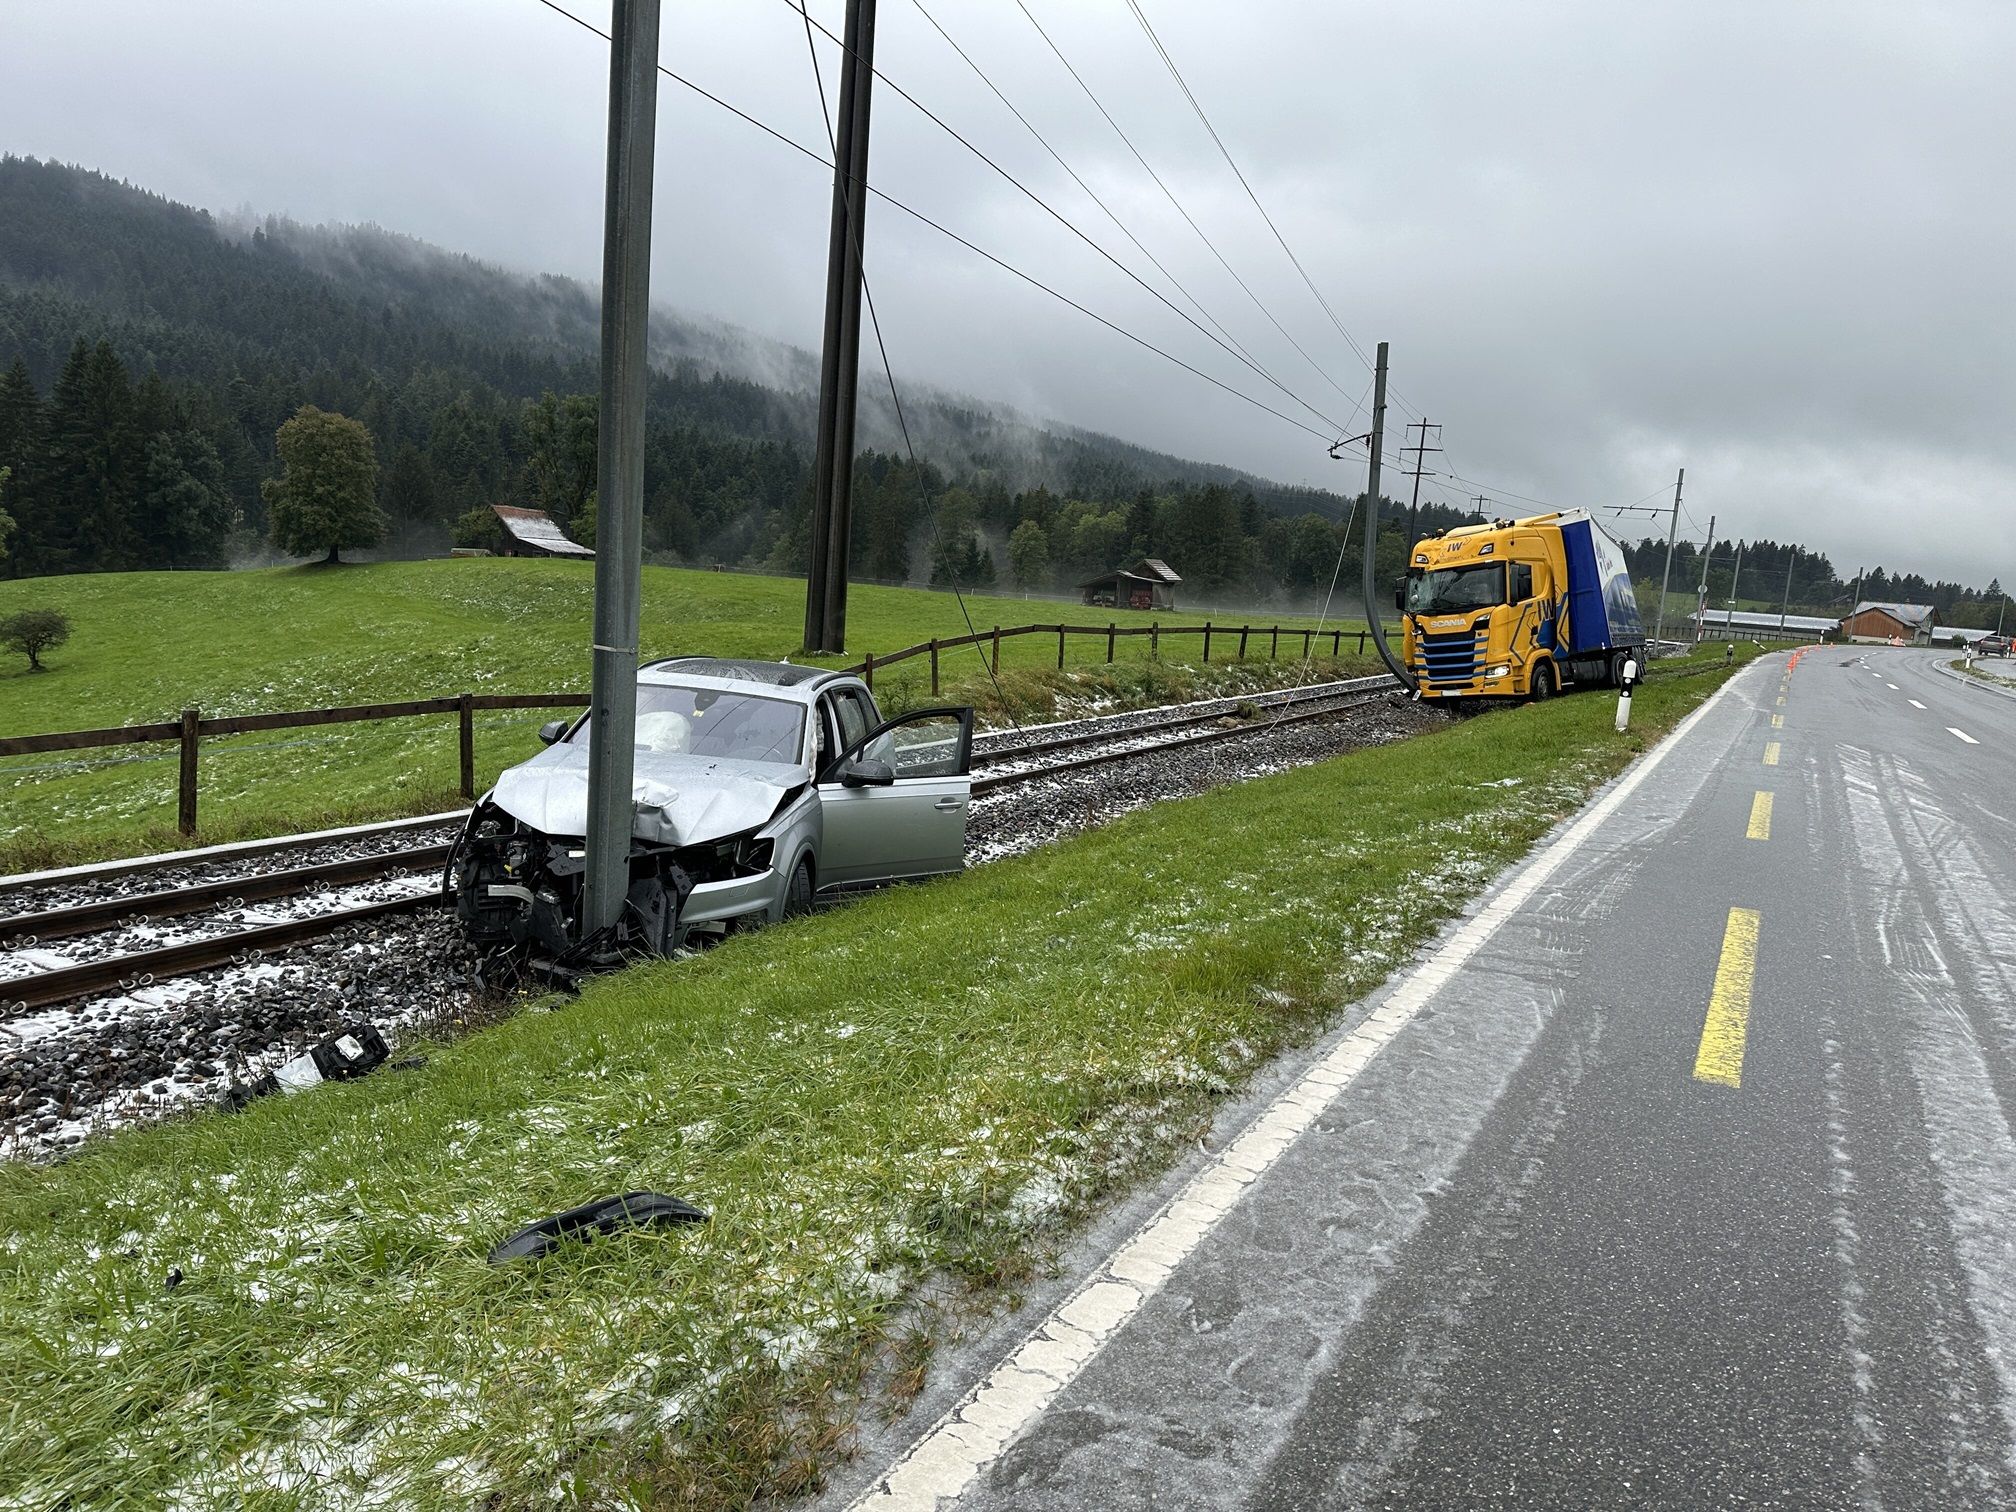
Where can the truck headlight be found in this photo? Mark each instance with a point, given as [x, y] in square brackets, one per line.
[1500, 670]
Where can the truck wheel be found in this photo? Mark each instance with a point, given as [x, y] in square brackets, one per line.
[1617, 668]
[1543, 682]
[798, 897]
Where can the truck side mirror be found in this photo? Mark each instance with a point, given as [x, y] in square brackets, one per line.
[1400, 596]
[551, 731]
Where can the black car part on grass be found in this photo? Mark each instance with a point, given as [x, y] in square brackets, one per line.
[603, 1216]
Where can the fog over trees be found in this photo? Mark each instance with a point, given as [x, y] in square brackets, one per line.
[150, 356]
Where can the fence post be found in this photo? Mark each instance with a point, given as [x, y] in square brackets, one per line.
[1274, 648]
[1361, 642]
[1111, 635]
[1060, 648]
[468, 715]
[1207, 640]
[185, 792]
[1306, 637]
[868, 668]
[1155, 641]
[997, 648]
[1336, 643]
[1244, 630]
[934, 668]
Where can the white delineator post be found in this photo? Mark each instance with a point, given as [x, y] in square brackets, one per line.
[1624, 693]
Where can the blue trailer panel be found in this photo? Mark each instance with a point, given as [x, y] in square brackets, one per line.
[1602, 608]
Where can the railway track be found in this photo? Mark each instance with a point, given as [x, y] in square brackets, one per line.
[1095, 742]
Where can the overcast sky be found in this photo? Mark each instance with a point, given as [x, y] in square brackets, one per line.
[1773, 243]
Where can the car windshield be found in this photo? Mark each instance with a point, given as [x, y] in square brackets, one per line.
[676, 721]
[1449, 590]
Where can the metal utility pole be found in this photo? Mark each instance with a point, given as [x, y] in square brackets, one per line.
[1735, 582]
[619, 534]
[1480, 501]
[1373, 617]
[1701, 594]
[1785, 605]
[840, 354]
[1420, 455]
[1665, 582]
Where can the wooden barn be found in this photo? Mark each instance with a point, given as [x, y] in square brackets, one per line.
[1149, 584]
[531, 532]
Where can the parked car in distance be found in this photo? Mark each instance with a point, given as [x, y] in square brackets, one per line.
[759, 787]
[1993, 645]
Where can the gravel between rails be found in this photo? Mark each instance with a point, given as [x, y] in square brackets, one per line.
[109, 1061]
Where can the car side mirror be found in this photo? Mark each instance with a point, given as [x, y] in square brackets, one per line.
[862, 772]
[551, 731]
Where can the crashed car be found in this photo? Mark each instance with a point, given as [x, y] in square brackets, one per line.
[759, 788]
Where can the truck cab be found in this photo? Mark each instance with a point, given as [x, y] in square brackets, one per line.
[1517, 608]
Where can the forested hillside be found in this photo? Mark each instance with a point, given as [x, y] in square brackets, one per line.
[149, 354]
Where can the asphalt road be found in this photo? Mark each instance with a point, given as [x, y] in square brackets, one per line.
[1693, 1186]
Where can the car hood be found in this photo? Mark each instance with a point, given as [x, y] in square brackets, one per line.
[680, 800]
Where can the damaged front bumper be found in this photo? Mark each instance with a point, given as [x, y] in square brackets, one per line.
[517, 888]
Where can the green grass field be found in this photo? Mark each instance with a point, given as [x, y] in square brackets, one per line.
[934, 1085]
[147, 645]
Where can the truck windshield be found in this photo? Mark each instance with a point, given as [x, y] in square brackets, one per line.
[1450, 590]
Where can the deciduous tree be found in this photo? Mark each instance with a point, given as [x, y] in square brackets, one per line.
[326, 497]
[33, 631]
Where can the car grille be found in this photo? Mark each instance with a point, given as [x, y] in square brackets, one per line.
[1449, 659]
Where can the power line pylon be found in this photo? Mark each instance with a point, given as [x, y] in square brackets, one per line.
[1420, 451]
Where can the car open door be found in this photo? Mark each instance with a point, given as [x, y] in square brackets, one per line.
[893, 804]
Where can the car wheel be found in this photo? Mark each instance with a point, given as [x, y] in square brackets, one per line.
[798, 897]
[1543, 682]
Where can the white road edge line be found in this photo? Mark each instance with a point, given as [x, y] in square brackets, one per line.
[1950, 730]
[1893, 687]
[1914, 703]
[975, 1431]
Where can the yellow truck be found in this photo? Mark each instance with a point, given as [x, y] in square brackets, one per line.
[1519, 609]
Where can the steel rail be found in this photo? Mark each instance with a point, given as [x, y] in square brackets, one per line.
[63, 923]
[211, 855]
[984, 785]
[1293, 698]
[144, 967]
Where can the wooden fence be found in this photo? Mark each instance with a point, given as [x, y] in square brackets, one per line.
[189, 730]
[1113, 633]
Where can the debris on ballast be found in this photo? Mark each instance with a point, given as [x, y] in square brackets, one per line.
[341, 1057]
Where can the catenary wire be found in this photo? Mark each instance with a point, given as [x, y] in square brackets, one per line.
[953, 236]
[1170, 195]
[1169, 63]
[1090, 192]
[888, 371]
[1065, 221]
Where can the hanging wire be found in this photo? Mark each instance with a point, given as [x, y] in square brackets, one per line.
[888, 372]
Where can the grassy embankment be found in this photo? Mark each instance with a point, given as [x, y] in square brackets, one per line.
[2004, 679]
[147, 645]
[935, 1083]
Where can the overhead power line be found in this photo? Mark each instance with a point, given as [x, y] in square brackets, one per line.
[1066, 222]
[1091, 193]
[1170, 195]
[954, 236]
[1175, 73]
[889, 372]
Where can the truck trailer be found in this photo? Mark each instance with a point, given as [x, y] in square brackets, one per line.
[1519, 609]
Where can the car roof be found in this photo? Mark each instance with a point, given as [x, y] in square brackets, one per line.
[781, 676]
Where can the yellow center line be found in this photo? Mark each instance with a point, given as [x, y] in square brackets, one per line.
[1777, 721]
[1770, 753]
[1720, 1058]
[1760, 817]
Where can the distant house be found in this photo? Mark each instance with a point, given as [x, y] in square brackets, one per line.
[532, 533]
[1910, 623]
[1149, 584]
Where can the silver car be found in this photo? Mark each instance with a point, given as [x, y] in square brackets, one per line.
[760, 787]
